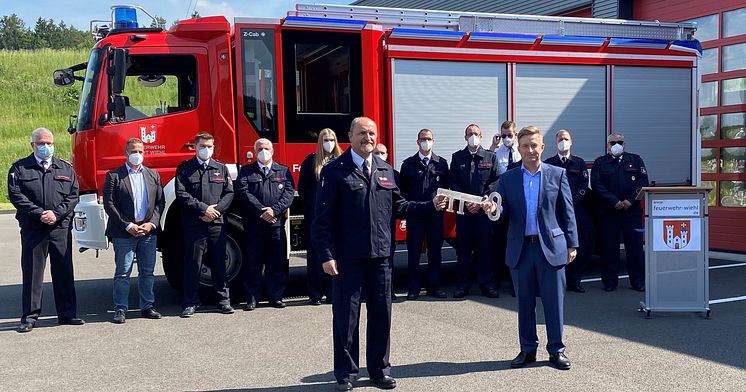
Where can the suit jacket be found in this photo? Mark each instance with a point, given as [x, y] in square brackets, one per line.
[119, 204]
[256, 191]
[555, 214]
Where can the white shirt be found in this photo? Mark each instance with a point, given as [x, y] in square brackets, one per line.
[358, 160]
[501, 154]
[39, 161]
[428, 156]
[262, 166]
[202, 163]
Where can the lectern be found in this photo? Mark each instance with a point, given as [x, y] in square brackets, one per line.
[676, 250]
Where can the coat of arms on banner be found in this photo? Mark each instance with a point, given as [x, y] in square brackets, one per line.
[677, 233]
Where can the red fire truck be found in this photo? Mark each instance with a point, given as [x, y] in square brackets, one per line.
[321, 66]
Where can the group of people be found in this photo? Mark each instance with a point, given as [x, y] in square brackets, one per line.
[351, 202]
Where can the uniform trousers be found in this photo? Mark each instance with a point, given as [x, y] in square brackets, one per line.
[265, 250]
[210, 240]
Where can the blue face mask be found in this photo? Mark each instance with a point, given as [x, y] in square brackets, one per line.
[45, 151]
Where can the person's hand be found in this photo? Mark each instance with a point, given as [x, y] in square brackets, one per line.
[489, 206]
[626, 204]
[48, 217]
[211, 212]
[268, 215]
[473, 207]
[440, 202]
[330, 267]
[572, 253]
[619, 205]
[145, 228]
[495, 141]
[206, 218]
[134, 230]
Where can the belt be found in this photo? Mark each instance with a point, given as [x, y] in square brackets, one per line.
[531, 238]
[139, 223]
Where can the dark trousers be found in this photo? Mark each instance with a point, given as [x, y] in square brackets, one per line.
[201, 240]
[374, 276]
[429, 229]
[473, 253]
[629, 224]
[36, 245]
[531, 276]
[587, 238]
[499, 243]
[318, 282]
[265, 250]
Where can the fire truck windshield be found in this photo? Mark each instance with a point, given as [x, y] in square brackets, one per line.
[88, 95]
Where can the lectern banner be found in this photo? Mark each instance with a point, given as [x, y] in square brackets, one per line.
[677, 235]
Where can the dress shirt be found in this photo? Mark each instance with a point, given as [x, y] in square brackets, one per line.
[358, 161]
[531, 184]
[501, 155]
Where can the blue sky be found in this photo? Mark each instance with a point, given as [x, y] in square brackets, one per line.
[79, 12]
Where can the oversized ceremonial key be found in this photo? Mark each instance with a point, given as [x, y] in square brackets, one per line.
[463, 198]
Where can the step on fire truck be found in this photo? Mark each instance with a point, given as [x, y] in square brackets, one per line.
[322, 66]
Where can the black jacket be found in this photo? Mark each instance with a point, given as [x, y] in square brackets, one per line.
[484, 165]
[256, 191]
[419, 182]
[33, 191]
[118, 200]
[196, 189]
[577, 176]
[613, 181]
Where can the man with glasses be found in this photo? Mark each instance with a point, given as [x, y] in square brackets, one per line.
[616, 178]
[44, 191]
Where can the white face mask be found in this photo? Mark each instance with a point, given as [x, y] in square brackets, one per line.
[564, 145]
[264, 156]
[205, 153]
[426, 145]
[508, 141]
[617, 150]
[474, 141]
[135, 159]
[329, 146]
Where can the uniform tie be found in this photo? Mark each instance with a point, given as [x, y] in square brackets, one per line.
[510, 157]
[44, 164]
[425, 161]
[204, 166]
[266, 171]
[366, 169]
[564, 160]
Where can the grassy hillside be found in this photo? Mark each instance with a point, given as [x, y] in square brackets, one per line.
[29, 99]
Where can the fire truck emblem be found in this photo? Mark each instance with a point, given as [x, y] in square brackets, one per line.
[677, 233]
[147, 137]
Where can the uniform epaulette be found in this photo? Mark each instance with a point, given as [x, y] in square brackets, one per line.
[64, 161]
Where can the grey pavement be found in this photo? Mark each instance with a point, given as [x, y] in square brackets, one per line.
[447, 345]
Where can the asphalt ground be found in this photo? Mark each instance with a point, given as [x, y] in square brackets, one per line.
[437, 345]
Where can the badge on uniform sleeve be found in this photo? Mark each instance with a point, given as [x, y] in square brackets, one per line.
[585, 173]
[280, 186]
[642, 169]
[633, 178]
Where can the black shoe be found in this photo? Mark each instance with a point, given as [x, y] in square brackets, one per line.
[394, 298]
[119, 316]
[70, 321]
[437, 293]
[560, 361]
[344, 386]
[576, 288]
[385, 382]
[25, 327]
[250, 304]
[512, 291]
[277, 304]
[151, 313]
[413, 295]
[328, 299]
[314, 301]
[460, 293]
[609, 289]
[638, 288]
[188, 311]
[226, 309]
[523, 359]
[491, 292]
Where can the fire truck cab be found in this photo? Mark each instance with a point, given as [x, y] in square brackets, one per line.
[321, 66]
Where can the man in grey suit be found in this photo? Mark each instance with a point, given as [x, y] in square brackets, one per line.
[542, 239]
[133, 199]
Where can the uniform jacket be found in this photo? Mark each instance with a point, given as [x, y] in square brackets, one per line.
[484, 165]
[419, 182]
[256, 191]
[307, 184]
[32, 191]
[197, 189]
[613, 181]
[555, 214]
[354, 213]
[577, 176]
[119, 201]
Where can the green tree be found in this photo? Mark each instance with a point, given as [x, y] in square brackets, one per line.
[159, 22]
[14, 35]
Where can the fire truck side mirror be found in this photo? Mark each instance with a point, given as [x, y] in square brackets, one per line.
[63, 77]
[118, 104]
[120, 71]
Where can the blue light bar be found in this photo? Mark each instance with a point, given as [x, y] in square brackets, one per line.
[124, 17]
[572, 40]
[343, 24]
[638, 43]
[503, 37]
[692, 46]
[439, 35]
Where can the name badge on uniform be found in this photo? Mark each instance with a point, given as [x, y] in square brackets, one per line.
[384, 181]
[64, 178]
[485, 165]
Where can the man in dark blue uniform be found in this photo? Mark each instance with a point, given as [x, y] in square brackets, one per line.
[265, 189]
[616, 179]
[356, 198]
[204, 191]
[577, 175]
[421, 176]
[44, 191]
[382, 152]
[473, 171]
